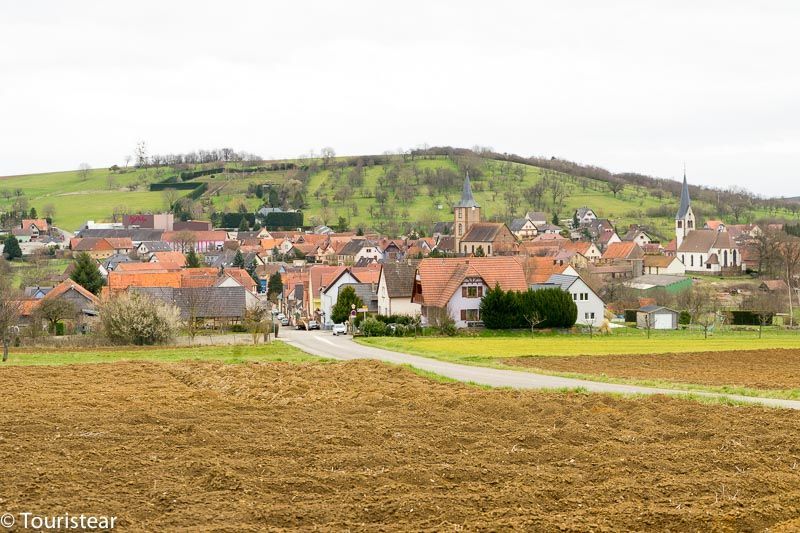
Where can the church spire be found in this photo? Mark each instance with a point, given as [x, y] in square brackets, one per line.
[467, 200]
[686, 202]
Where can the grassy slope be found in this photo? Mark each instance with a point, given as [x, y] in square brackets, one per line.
[96, 201]
[275, 351]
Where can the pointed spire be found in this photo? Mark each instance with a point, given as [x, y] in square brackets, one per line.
[467, 200]
[686, 202]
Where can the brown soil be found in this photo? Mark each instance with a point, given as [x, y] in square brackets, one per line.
[758, 369]
[364, 446]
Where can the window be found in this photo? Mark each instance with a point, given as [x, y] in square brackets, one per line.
[680, 224]
[460, 215]
[574, 295]
[472, 292]
[691, 260]
[588, 316]
[471, 315]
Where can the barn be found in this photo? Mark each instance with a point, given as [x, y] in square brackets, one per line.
[657, 317]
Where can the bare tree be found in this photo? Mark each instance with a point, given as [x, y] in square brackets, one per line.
[127, 160]
[185, 240]
[53, 311]
[533, 319]
[170, 197]
[615, 187]
[83, 171]
[10, 308]
[49, 211]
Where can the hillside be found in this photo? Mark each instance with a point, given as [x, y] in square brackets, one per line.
[389, 193]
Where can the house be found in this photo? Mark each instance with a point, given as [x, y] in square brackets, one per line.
[523, 229]
[548, 229]
[454, 287]
[442, 228]
[587, 249]
[200, 241]
[638, 236]
[663, 264]
[716, 225]
[395, 287]
[656, 317]
[34, 227]
[622, 250]
[102, 248]
[492, 238]
[591, 309]
[330, 294]
[539, 269]
[192, 225]
[176, 258]
[607, 238]
[84, 302]
[210, 305]
[367, 293]
[357, 249]
[161, 221]
[584, 216]
[538, 218]
[774, 285]
[146, 249]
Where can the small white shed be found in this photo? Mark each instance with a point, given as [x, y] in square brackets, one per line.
[657, 317]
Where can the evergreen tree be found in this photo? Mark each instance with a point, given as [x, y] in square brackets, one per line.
[555, 220]
[274, 287]
[243, 225]
[342, 225]
[87, 274]
[33, 213]
[11, 248]
[257, 227]
[251, 269]
[479, 252]
[344, 304]
[192, 260]
[238, 260]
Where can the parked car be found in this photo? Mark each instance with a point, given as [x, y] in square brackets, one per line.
[281, 316]
[284, 321]
[339, 329]
[313, 324]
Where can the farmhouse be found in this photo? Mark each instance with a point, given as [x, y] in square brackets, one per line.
[455, 287]
[584, 216]
[662, 264]
[523, 228]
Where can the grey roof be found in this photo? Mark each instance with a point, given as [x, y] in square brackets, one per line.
[482, 232]
[136, 234]
[517, 224]
[355, 246]
[366, 292]
[443, 228]
[225, 259]
[703, 240]
[658, 280]
[686, 202]
[202, 302]
[156, 246]
[562, 280]
[467, 200]
[581, 211]
[116, 259]
[399, 279]
[537, 215]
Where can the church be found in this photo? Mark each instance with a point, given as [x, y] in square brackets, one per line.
[711, 251]
[473, 237]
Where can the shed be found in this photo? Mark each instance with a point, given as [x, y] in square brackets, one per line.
[659, 317]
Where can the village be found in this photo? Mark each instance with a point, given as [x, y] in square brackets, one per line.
[214, 276]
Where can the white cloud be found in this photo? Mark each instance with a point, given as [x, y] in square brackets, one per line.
[633, 86]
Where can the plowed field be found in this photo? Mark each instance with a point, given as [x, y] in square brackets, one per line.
[758, 369]
[364, 446]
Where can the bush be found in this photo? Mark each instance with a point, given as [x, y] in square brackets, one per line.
[238, 328]
[684, 318]
[372, 327]
[133, 318]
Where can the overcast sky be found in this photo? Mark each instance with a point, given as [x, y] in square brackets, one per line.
[630, 86]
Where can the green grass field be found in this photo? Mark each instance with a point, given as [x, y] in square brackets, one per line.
[77, 198]
[486, 349]
[273, 352]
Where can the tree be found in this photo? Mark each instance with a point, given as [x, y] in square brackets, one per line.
[238, 260]
[185, 240]
[764, 306]
[83, 171]
[192, 260]
[10, 308]
[615, 187]
[33, 213]
[11, 248]
[133, 318]
[53, 311]
[274, 287]
[87, 274]
[255, 321]
[251, 269]
[49, 212]
[479, 252]
[345, 301]
[243, 225]
[555, 220]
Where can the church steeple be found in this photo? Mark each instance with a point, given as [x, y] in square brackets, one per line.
[684, 218]
[467, 200]
[465, 213]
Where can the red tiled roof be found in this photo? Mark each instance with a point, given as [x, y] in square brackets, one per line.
[620, 250]
[440, 278]
[175, 258]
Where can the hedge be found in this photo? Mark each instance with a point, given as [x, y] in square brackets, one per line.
[192, 174]
[232, 220]
[162, 185]
[290, 219]
[511, 309]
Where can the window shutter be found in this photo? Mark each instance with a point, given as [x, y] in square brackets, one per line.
[480, 292]
[463, 314]
[463, 292]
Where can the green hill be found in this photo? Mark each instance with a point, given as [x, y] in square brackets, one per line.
[387, 193]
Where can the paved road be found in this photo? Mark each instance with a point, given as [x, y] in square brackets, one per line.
[323, 344]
